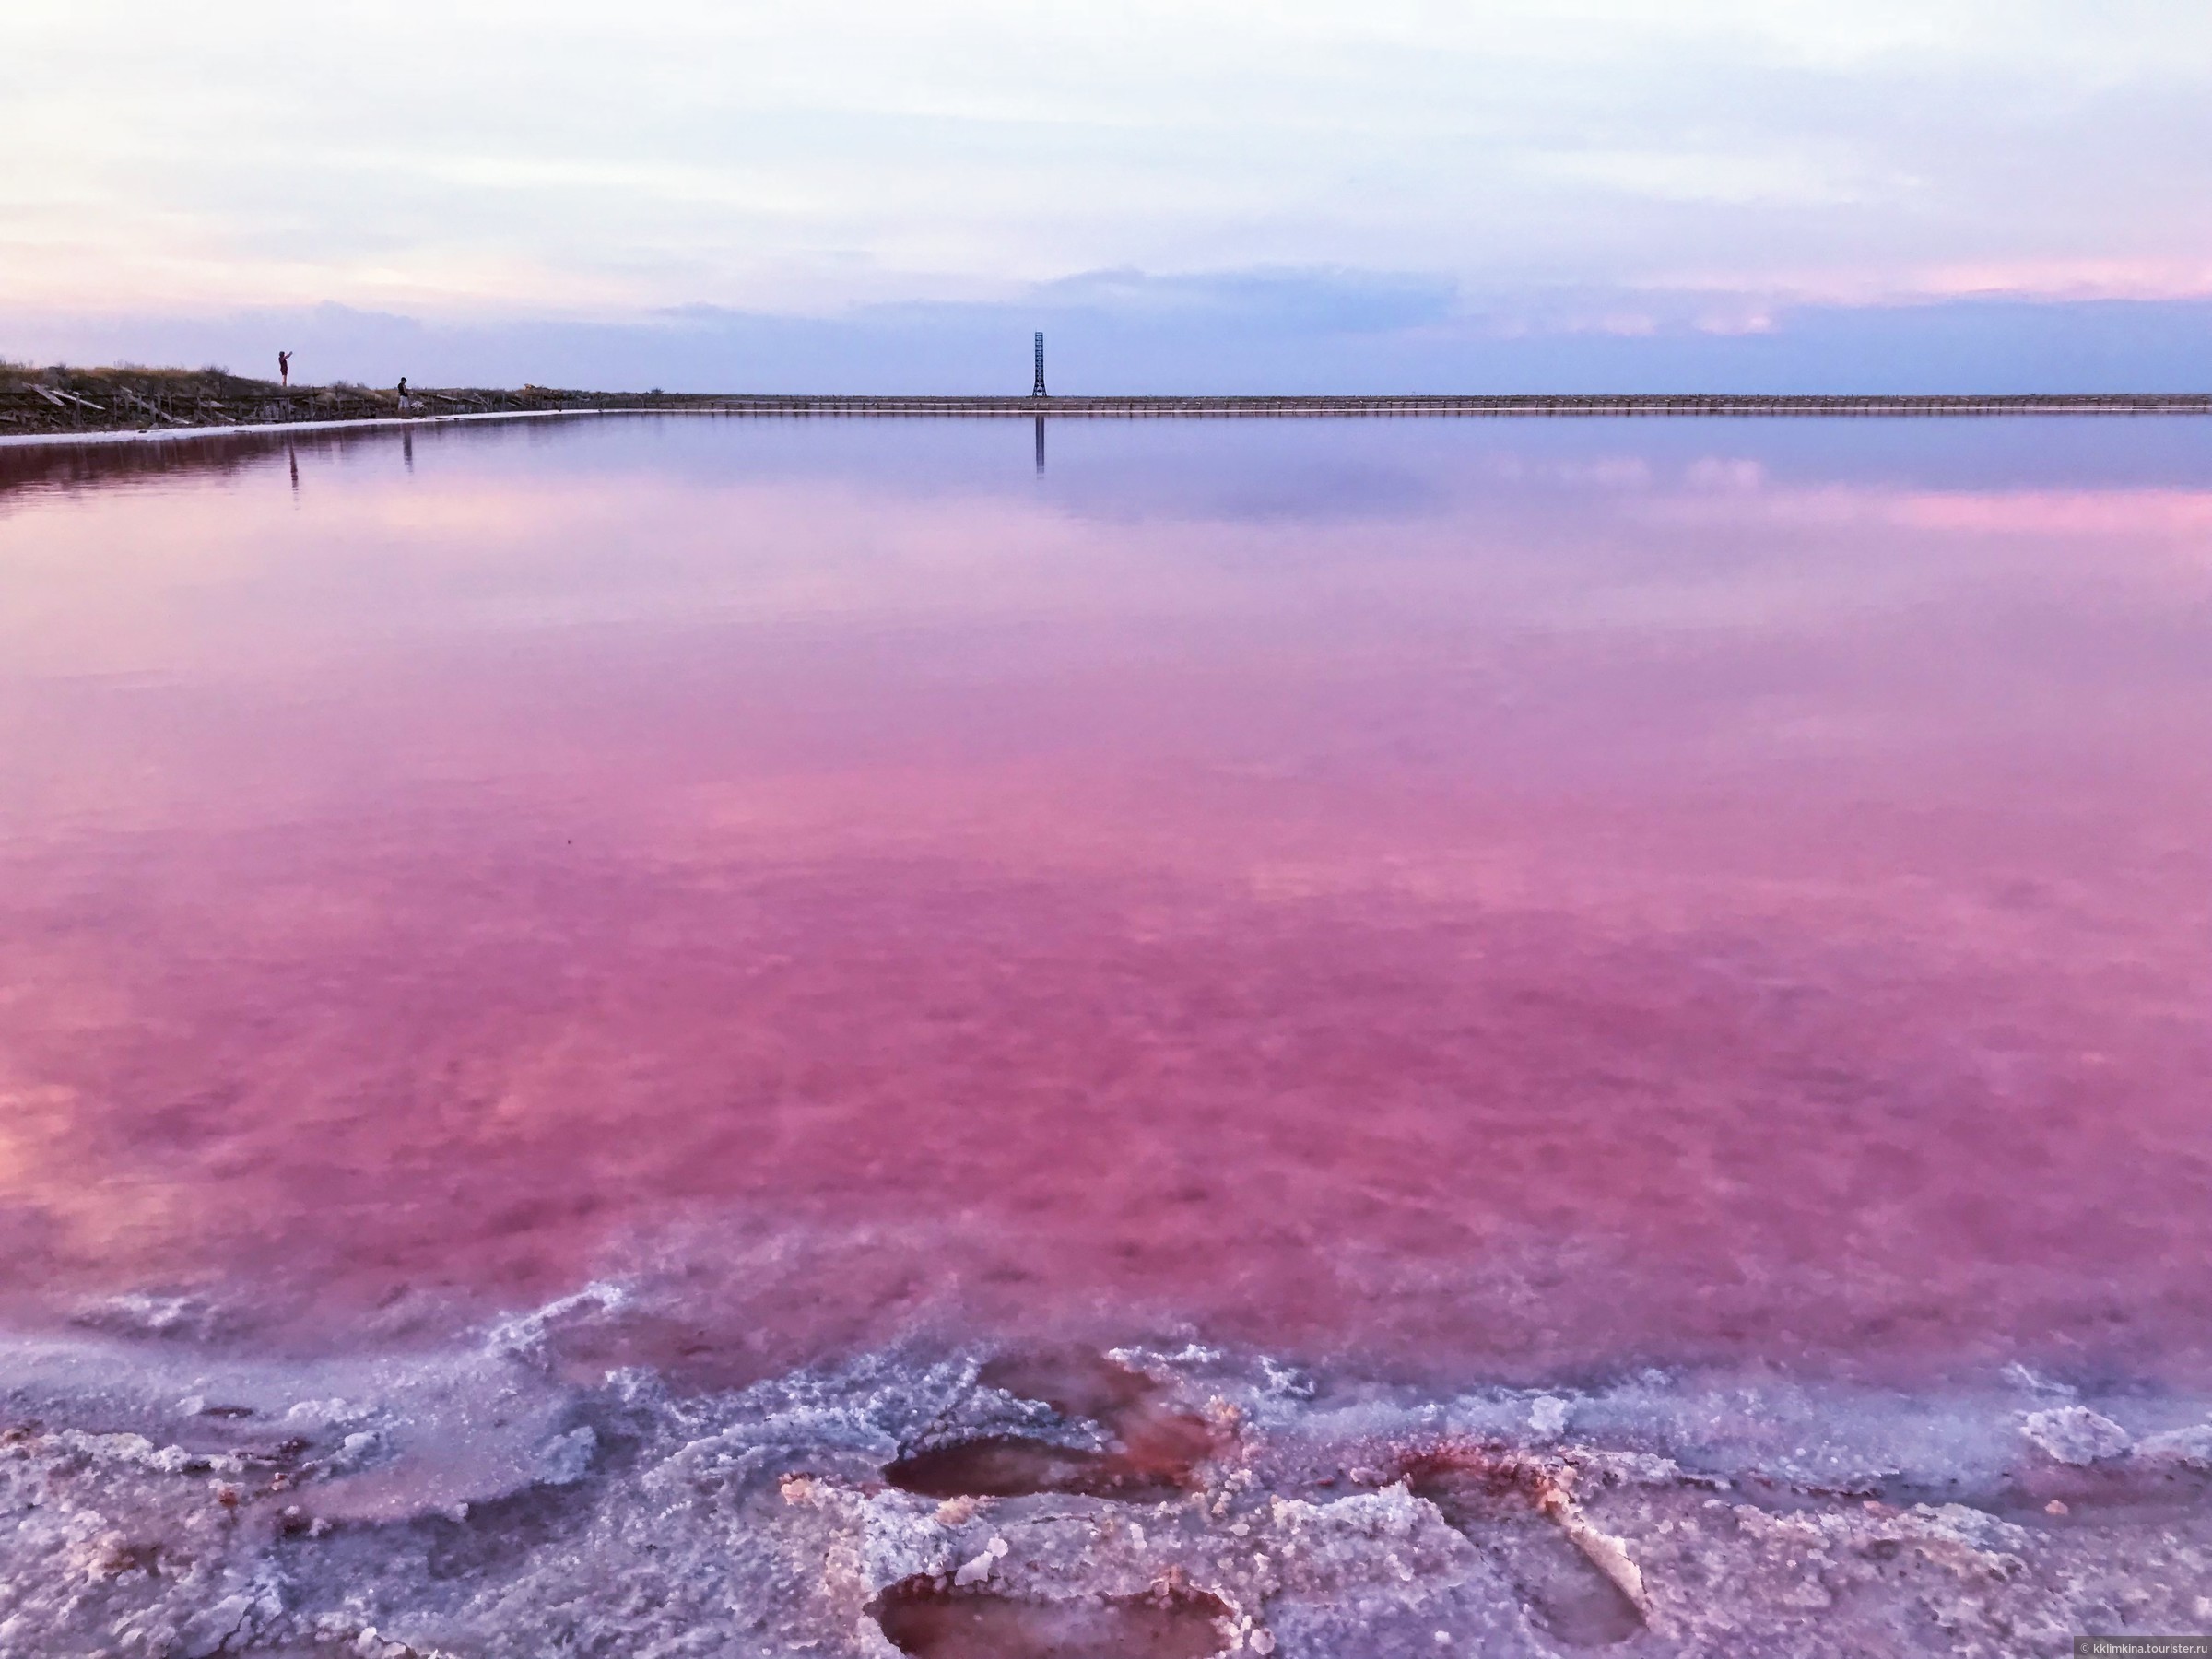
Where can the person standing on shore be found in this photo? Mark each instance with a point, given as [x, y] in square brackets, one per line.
[284, 367]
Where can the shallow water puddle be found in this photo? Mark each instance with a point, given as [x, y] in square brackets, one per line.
[933, 1623]
[1152, 1450]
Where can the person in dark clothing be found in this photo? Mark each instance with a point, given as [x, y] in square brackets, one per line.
[284, 367]
[402, 385]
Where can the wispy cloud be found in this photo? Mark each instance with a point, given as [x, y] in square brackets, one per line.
[1260, 331]
[1616, 166]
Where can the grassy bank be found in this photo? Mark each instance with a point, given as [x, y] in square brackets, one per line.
[128, 398]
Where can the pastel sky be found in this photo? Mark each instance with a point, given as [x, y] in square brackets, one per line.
[1223, 188]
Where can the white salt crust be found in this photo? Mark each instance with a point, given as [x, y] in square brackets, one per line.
[162, 1501]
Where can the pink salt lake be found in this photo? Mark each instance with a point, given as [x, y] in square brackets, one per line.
[1462, 899]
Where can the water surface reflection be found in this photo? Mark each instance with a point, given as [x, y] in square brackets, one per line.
[1471, 896]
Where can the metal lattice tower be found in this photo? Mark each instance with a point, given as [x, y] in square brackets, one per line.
[1038, 390]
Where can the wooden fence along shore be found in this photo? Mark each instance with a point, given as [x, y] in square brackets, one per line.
[61, 402]
[1528, 404]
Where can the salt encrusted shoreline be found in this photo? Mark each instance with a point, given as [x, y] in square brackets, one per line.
[165, 1501]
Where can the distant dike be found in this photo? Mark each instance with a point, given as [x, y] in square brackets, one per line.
[63, 402]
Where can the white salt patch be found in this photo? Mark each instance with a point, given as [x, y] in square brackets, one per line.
[140, 1314]
[526, 1333]
[325, 1413]
[356, 1451]
[2190, 1448]
[2075, 1434]
[568, 1459]
[2019, 1376]
[1548, 1417]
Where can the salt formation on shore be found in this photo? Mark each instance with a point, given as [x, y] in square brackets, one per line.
[162, 1501]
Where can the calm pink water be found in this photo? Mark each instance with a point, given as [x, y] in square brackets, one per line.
[1466, 898]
